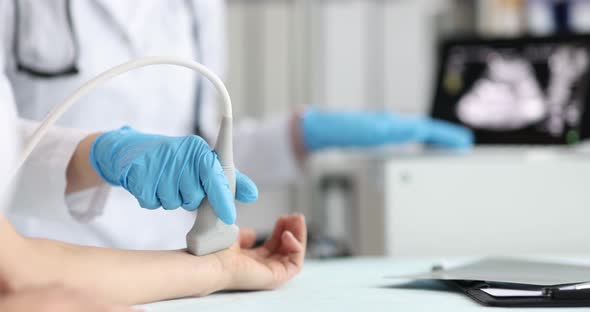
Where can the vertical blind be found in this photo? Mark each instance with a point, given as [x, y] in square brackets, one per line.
[336, 54]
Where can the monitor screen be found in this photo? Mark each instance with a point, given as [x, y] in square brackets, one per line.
[516, 91]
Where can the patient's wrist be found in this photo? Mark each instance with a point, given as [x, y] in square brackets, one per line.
[216, 278]
[223, 260]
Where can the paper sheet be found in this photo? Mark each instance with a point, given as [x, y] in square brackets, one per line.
[501, 292]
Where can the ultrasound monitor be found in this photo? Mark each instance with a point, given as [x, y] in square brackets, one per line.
[524, 91]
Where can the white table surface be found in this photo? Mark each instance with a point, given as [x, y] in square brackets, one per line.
[342, 285]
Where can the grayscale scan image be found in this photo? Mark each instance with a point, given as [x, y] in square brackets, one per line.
[516, 91]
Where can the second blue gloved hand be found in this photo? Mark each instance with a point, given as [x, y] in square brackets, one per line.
[321, 130]
[168, 172]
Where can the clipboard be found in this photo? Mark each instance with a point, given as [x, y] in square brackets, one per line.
[529, 297]
[516, 283]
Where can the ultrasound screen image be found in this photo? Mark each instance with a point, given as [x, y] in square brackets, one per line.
[516, 91]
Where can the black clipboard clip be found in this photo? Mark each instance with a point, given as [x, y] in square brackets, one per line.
[571, 292]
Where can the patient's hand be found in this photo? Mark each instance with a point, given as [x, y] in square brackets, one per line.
[271, 265]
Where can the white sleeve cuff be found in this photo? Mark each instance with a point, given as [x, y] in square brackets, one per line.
[40, 191]
[87, 205]
[264, 151]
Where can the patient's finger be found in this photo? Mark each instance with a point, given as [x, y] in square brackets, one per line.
[290, 244]
[274, 241]
[296, 225]
[247, 238]
[295, 253]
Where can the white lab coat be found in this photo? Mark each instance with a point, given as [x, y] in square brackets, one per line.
[159, 100]
[10, 145]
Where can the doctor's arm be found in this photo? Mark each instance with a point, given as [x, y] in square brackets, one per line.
[284, 141]
[79, 173]
[316, 130]
[134, 277]
[160, 171]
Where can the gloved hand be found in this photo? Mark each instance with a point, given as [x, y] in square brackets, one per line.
[168, 172]
[321, 130]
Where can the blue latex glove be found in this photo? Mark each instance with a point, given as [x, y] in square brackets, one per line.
[168, 172]
[321, 130]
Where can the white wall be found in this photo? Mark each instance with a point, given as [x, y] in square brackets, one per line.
[340, 53]
[337, 54]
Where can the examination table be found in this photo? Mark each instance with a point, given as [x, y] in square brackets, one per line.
[358, 284]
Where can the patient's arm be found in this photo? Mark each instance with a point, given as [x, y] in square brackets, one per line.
[55, 299]
[114, 275]
[133, 277]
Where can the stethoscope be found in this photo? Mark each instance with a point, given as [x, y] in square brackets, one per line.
[36, 71]
[72, 68]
